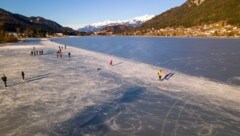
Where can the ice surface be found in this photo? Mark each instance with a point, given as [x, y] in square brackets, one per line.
[69, 96]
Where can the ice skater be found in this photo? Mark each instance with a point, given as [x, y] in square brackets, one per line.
[34, 52]
[65, 46]
[160, 75]
[40, 52]
[23, 75]
[60, 54]
[69, 54]
[4, 79]
[57, 53]
[31, 53]
[111, 62]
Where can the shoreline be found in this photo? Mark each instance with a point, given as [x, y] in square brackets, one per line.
[210, 37]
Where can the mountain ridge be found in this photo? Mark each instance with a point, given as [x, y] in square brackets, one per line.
[112, 30]
[12, 22]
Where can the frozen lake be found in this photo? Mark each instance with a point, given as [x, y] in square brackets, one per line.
[216, 59]
[70, 97]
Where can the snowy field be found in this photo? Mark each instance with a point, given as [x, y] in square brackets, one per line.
[69, 96]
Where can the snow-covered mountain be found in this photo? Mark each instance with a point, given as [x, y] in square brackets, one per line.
[137, 21]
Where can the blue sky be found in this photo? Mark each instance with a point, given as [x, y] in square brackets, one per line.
[76, 13]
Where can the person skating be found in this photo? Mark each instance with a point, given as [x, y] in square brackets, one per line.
[4, 79]
[60, 54]
[111, 62]
[34, 52]
[57, 53]
[69, 54]
[31, 53]
[65, 46]
[23, 75]
[160, 75]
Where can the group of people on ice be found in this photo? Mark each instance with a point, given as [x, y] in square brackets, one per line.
[35, 52]
[60, 53]
[161, 74]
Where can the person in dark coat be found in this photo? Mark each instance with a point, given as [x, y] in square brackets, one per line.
[69, 54]
[4, 79]
[57, 54]
[23, 74]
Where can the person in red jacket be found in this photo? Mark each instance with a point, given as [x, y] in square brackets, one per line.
[60, 54]
[111, 62]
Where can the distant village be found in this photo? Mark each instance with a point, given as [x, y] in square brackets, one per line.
[211, 30]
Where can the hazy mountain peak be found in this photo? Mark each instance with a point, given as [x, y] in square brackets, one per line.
[137, 21]
[144, 18]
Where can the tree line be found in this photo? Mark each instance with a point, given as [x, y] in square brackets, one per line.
[5, 37]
